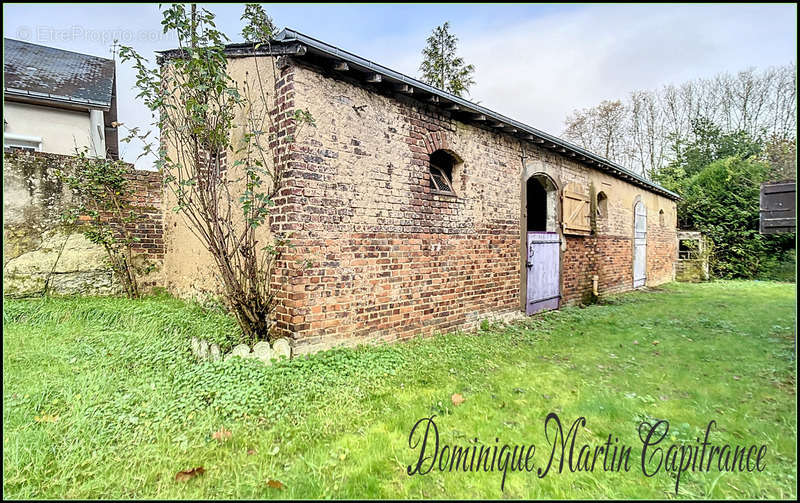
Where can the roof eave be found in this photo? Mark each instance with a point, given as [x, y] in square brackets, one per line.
[293, 43]
[289, 35]
[47, 98]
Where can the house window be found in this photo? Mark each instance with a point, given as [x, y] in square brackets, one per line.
[26, 148]
[22, 142]
[441, 172]
[661, 218]
[602, 205]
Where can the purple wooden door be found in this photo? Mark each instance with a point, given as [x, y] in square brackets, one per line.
[543, 271]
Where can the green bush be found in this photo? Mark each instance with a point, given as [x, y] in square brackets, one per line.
[780, 266]
[722, 201]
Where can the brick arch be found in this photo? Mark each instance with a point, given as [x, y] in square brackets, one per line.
[438, 140]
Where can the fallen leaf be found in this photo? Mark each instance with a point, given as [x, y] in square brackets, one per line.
[46, 418]
[276, 484]
[250, 452]
[655, 343]
[457, 399]
[222, 435]
[189, 474]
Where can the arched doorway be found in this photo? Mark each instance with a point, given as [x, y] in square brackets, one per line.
[639, 244]
[543, 289]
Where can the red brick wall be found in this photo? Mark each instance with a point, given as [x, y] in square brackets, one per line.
[287, 286]
[611, 259]
[146, 186]
[376, 255]
[388, 258]
[615, 263]
[662, 251]
[578, 266]
[148, 227]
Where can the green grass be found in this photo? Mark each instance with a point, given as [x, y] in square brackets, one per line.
[125, 407]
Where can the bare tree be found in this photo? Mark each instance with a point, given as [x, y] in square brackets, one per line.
[642, 132]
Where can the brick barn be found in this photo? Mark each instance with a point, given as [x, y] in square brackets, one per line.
[422, 212]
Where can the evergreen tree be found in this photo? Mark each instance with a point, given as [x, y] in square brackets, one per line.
[441, 67]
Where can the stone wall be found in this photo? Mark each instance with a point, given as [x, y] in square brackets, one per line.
[37, 250]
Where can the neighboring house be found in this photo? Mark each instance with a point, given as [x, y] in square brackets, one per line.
[58, 101]
[421, 212]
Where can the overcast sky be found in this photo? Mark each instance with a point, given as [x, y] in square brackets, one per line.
[534, 63]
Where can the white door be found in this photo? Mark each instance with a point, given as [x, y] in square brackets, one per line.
[639, 245]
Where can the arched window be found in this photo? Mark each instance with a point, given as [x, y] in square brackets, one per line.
[602, 205]
[661, 218]
[441, 170]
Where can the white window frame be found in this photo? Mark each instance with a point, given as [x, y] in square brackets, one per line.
[22, 141]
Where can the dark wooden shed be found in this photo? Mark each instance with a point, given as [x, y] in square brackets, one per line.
[778, 207]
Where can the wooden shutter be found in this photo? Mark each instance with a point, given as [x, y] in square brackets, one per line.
[576, 206]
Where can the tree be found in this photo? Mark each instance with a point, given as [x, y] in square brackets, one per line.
[708, 143]
[221, 150]
[781, 154]
[102, 205]
[600, 129]
[441, 67]
[760, 104]
[722, 201]
[259, 27]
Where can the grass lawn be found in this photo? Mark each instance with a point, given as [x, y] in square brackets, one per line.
[101, 399]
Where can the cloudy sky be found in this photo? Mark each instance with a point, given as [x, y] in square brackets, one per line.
[534, 63]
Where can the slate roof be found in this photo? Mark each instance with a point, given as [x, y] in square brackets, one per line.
[45, 73]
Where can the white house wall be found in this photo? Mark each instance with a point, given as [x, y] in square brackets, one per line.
[61, 131]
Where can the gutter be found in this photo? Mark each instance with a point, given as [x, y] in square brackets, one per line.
[47, 97]
[22, 137]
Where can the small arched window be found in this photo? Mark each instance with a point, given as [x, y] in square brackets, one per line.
[661, 218]
[441, 171]
[602, 205]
